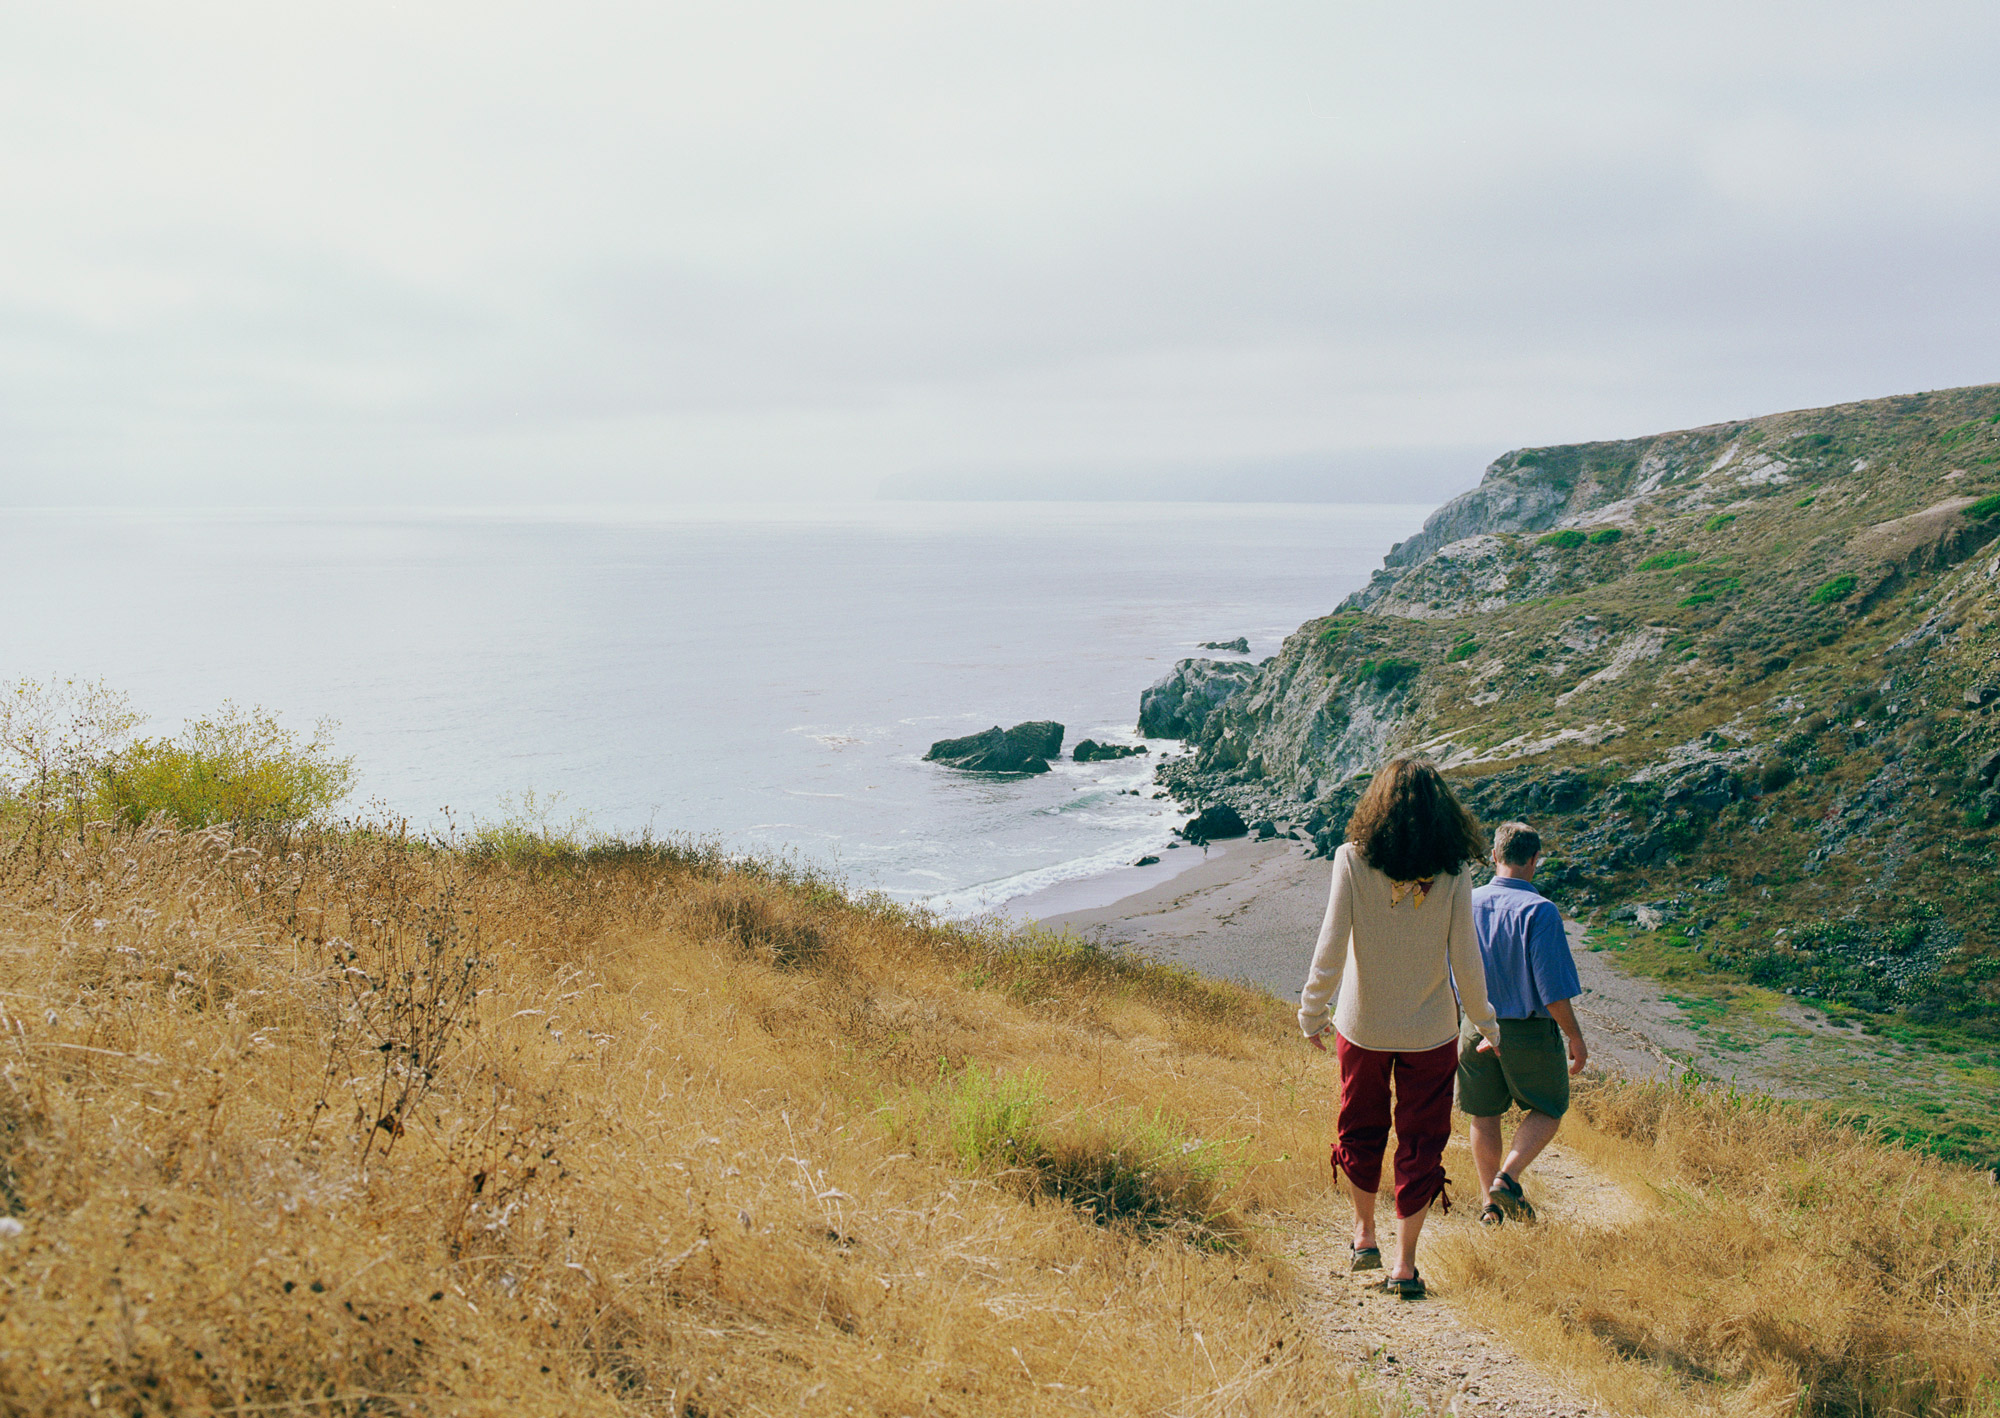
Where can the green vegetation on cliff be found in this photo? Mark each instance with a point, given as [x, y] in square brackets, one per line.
[1762, 715]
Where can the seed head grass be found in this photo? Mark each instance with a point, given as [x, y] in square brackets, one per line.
[338, 1121]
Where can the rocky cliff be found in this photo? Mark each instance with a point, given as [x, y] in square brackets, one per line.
[1745, 674]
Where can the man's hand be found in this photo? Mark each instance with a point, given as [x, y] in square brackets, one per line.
[1487, 1046]
[1565, 1018]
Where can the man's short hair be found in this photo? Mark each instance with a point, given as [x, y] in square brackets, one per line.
[1516, 843]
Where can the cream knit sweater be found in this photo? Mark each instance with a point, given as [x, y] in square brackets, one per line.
[1395, 963]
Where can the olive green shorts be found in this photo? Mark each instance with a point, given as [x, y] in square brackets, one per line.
[1532, 1070]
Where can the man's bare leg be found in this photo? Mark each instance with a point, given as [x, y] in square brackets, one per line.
[1535, 1132]
[1486, 1151]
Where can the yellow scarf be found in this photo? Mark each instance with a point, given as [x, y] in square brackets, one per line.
[1416, 890]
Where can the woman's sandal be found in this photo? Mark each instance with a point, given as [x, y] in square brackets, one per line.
[1363, 1257]
[1411, 1289]
[1491, 1215]
[1507, 1195]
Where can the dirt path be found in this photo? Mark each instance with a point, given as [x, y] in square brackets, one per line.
[1436, 1353]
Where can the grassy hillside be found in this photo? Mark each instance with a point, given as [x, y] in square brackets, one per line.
[1746, 675]
[341, 1122]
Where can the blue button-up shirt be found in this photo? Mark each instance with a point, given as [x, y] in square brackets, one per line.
[1526, 953]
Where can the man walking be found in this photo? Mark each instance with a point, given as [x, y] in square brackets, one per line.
[1531, 980]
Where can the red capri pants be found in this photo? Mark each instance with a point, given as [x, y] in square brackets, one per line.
[1422, 1114]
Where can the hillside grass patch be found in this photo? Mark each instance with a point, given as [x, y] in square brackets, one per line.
[1786, 1260]
[1830, 592]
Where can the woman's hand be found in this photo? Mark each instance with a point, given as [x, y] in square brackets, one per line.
[1487, 1046]
[1318, 1041]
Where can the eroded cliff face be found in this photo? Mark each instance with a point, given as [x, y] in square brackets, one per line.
[1749, 652]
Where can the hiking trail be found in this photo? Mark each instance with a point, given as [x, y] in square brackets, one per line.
[1440, 1355]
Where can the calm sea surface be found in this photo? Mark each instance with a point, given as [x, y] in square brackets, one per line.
[769, 676]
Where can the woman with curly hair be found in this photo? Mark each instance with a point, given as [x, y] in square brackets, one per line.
[1398, 942]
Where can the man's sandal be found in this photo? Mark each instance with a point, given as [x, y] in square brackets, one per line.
[1411, 1289]
[1363, 1257]
[1506, 1194]
[1491, 1215]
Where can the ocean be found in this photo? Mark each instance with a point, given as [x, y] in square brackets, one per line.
[768, 676]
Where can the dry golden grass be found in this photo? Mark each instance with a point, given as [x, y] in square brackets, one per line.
[338, 1123]
[1783, 1263]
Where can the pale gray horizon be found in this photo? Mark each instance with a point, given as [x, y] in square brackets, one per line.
[507, 255]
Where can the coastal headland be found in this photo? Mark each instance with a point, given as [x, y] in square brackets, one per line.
[1743, 676]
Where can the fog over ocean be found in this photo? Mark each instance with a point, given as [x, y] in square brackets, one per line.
[770, 676]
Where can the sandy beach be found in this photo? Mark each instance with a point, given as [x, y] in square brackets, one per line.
[1250, 911]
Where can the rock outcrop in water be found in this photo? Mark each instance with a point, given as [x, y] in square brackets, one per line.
[1750, 670]
[1091, 751]
[1179, 704]
[1025, 748]
[1239, 646]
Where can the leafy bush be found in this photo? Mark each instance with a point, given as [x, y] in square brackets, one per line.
[1699, 598]
[1569, 539]
[1838, 589]
[1386, 675]
[1605, 536]
[1334, 627]
[1667, 560]
[1806, 501]
[528, 831]
[1718, 521]
[1986, 507]
[241, 766]
[55, 737]
[1463, 650]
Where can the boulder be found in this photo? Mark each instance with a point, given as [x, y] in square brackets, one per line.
[1091, 751]
[1240, 645]
[1147, 861]
[1025, 748]
[1176, 706]
[1214, 823]
[1264, 828]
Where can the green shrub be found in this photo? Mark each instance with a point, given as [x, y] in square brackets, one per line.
[1699, 598]
[1718, 521]
[994, 1120]
[1776, 774]
[1605, 536]
[529, 831]
[1666, 560]
[1569, 539]
[1386, 675]
[1528, 459]
[1838, 589]
[1986, 507]
[241, 766]
[1807, 500]
[1464, 650]
[1122, 1167]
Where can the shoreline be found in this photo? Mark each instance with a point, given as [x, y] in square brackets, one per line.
[1250, 912]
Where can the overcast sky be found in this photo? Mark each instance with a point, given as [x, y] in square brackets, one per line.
[495, 253]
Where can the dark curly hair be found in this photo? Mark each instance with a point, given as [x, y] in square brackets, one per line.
[1410, 826]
